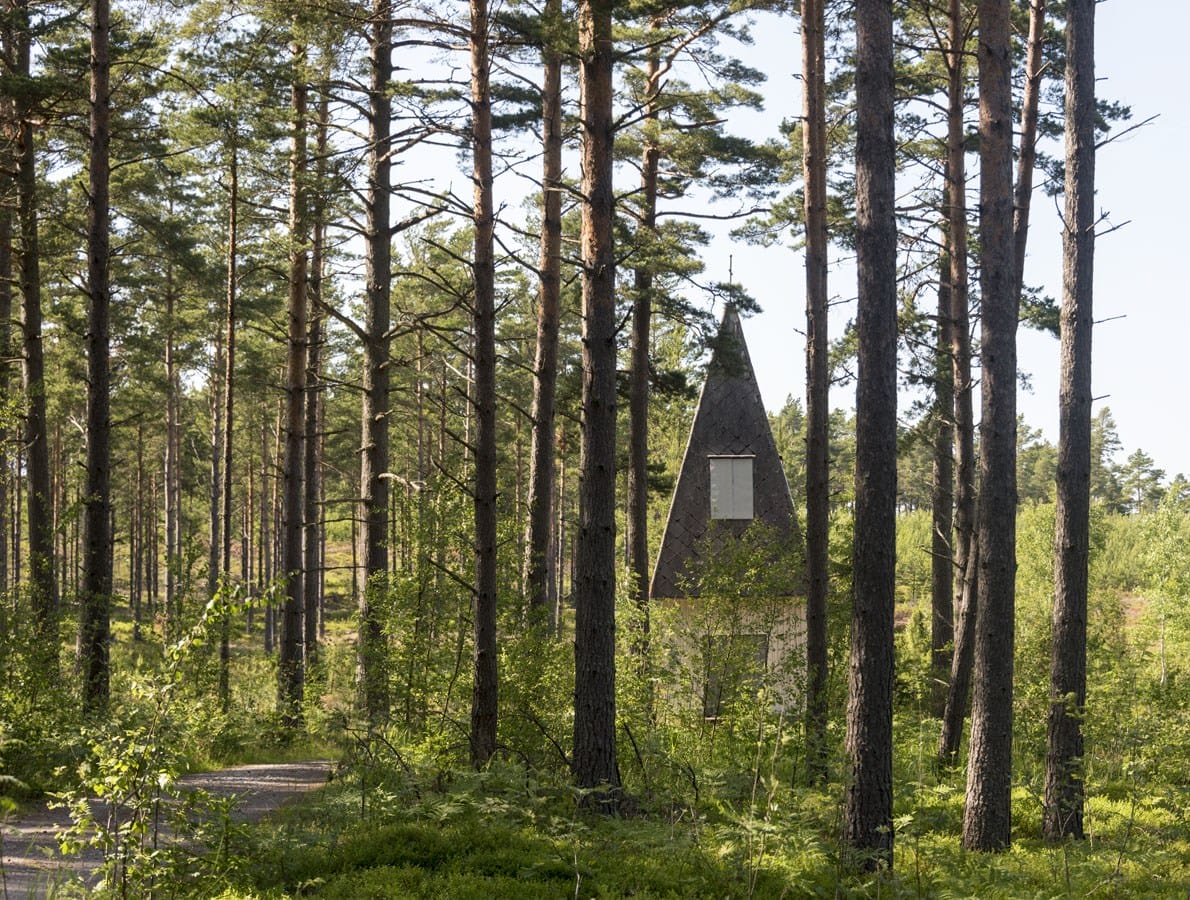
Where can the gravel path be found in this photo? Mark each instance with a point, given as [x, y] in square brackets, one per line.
[33, 868]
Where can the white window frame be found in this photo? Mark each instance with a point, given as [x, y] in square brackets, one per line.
[732, 494]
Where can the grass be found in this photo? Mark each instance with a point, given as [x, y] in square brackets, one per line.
[501, 834]
[449, 848]
[406, 824]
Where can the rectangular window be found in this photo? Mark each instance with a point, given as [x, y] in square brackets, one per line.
[731, 487]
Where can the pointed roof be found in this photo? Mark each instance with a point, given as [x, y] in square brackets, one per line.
[730, 421]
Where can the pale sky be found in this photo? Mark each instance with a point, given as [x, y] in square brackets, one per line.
[1140, 356]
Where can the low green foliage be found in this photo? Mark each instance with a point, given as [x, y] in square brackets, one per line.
[713, 801]
[507, 833]
[127, 800]
[496, 834]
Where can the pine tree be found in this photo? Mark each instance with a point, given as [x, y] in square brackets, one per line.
[40, 556]
[95, 601]
[8, 165]
[539, 529]
[290, 670]
[867, 816]
[374, 460]
[594, 760]
[484, 703]
[313, 531]
[229, 351]
[965, 554]
[1026, 159]
[987, 817]
[1064, 769]
[814, 167]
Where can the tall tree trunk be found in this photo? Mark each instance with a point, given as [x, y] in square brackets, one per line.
[216, 397]
[8, 131]
[965, 567]
[594, 758]
[290, 671]
[942, 499]
[1064, 768]
[817, 384]
[250, 558]
[637, 522]
[40, 556]
[229, 349]
[868, 811]
[312, 533]
[545, 365]
[154, 550]
[987, 818]
[17, 508]
[944, 551]
[95, 602]
[562, 561]
[60, 502]
[321, 525]
[246, 545]
[416, 540]
[373, 518]
[265, 566]
[312, 506]
[1026, 159]
[275, 512]
[484, 694]
[136, 537]
[958, 688]
[171, 476]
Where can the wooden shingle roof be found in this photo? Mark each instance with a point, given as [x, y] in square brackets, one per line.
[730, 421]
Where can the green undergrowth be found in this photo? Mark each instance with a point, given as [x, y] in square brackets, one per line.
[504, 834]
[500, 834]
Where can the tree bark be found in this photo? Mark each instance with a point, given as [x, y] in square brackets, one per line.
[965, 569]
[265, 566]
[942, 500]
[95, 602]
[138, 539]
[594, 758]
[8, 133]
[868, 810]
[215, 402]
[962, 660]
[562, 563]
[817, 384]
[171, 475]
[987, 820]
[373, 518]
[290, 670]
[484, 696]
[637, 520]
[1064, 767]
[17, 508]
[539, 529]
[40, 556]
[154, 551]
[1034, 69]
[229, 350]
[312, 531]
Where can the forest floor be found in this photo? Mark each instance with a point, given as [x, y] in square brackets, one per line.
[32, 866]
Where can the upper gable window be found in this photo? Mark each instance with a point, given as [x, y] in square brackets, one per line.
[731, 487]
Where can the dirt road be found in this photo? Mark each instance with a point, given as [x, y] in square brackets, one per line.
[32, 866]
